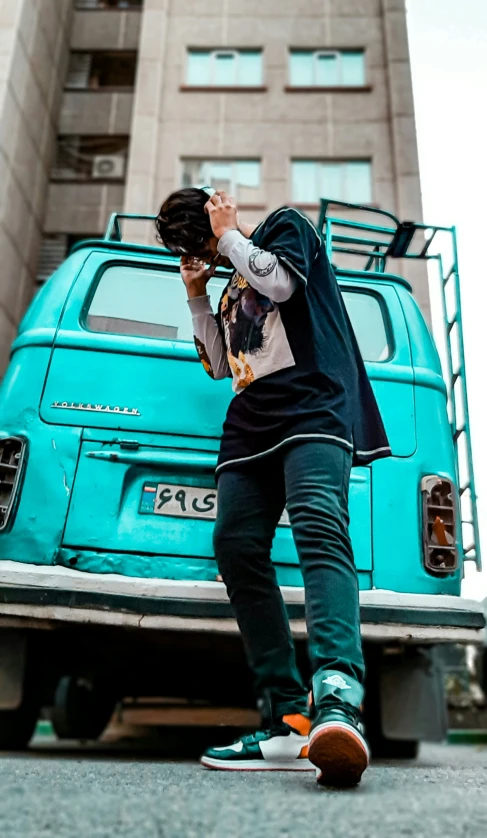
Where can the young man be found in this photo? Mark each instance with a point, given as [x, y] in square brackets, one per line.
[303, 413]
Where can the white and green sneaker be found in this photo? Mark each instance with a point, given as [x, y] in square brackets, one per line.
[282, 747]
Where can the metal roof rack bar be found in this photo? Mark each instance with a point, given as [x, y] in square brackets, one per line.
[114, 231]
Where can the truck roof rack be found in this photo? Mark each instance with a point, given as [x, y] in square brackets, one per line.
[113, 232]
[374, 244]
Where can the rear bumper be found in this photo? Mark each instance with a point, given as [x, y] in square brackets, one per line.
[46, 597]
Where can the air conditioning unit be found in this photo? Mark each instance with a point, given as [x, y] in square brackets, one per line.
[108, 167]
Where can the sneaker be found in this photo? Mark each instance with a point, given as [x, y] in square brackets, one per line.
[337, 746]
[282, 747]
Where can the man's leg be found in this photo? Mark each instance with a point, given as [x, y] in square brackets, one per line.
[250, 503]
[317, 477]
[317, 480]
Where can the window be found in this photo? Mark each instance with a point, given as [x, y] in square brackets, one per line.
[327, 68]
[345, 181]
[109, 4]
[90, 158]
[239, 178]
[55, 248]
[224, 68]
[145, 303]
[152, 303]
[99, 70]
[367, 317]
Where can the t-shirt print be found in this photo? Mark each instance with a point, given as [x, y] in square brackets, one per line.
[255, 337]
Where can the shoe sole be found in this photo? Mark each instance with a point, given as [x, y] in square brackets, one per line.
[256, 765]
[339, 753]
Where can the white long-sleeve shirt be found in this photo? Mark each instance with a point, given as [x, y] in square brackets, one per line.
[262, 270]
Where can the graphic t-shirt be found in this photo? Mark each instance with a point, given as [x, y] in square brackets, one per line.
[254, 334]
[296, 366]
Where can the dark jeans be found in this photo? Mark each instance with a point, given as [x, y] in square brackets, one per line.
[311, 479]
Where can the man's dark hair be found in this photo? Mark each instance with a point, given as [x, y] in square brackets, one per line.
[182, 224]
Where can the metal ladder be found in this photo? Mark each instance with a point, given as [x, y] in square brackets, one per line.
[375, 244]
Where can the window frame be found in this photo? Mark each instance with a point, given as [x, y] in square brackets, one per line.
[109, 8]
[338, 53]
[333, 161]
[69, 88]
[234, 187]
[344, 286]
[137, 265]
[214, 52]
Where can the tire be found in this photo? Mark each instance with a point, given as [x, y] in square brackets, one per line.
[380, 746]
[17, 725]
[82, 707]
[383, 748]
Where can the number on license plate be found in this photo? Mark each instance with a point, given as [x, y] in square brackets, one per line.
[185, 501]
[190, 502]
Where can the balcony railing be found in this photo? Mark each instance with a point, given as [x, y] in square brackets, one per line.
[90, 159]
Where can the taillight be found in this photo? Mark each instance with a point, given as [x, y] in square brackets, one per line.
[11, 457]
[439, 524]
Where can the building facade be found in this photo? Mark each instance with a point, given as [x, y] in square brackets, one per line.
[108, 105]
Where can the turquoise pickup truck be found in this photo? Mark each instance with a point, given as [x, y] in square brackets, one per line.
[109, 433]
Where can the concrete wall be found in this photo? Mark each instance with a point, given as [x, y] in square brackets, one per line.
[403, 136]
[105, 30]
[34, 44]
[96, 112]
[274, 124]
[82, 207]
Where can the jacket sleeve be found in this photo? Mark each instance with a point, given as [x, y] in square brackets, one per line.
[294, 239]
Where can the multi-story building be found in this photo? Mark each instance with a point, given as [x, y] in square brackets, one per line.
[110, 104]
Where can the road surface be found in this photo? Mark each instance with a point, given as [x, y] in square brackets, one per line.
[54, 792]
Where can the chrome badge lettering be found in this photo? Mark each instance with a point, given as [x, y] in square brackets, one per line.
[97, 408]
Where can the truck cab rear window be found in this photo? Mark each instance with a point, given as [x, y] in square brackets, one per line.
[144, 303]
[367, 316]
[152, 303]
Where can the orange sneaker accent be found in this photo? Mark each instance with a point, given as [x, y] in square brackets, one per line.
[303, 754]
[298, 722]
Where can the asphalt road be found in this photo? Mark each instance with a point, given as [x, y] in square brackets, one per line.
[76, 792]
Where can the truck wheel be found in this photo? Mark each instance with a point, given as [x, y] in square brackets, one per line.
[83, 706]
[383, 748]
[20, 697]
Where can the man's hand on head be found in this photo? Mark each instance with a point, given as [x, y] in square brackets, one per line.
[195, 275]
[223, 214]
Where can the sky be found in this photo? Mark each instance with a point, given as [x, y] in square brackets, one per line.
[448, 44]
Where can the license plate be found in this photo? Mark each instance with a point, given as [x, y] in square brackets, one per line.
[184, 502]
